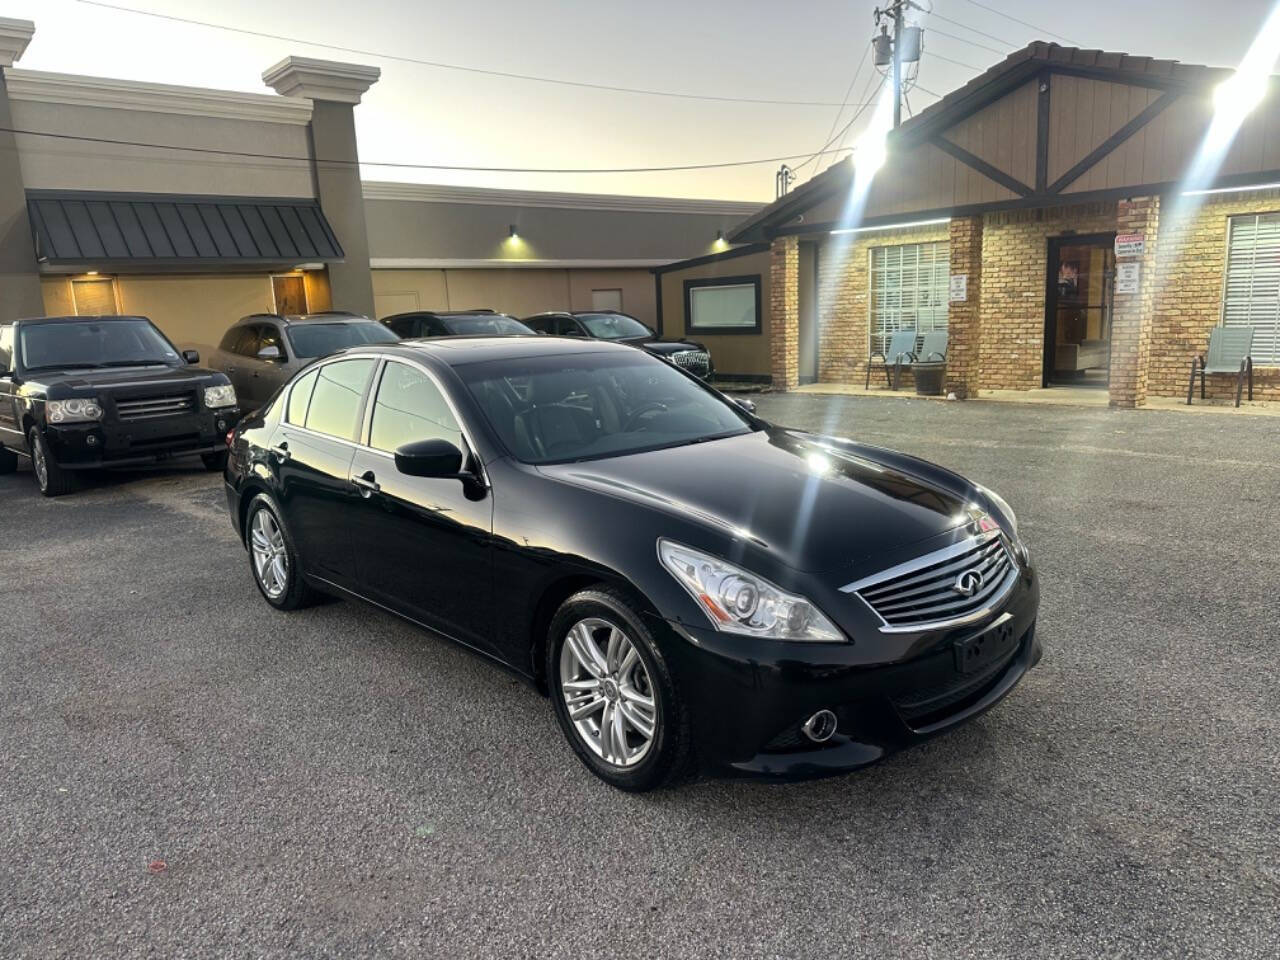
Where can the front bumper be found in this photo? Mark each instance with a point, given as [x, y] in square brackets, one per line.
[749, 698]
[86, 446]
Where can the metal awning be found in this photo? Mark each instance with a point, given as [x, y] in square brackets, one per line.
[117, 230]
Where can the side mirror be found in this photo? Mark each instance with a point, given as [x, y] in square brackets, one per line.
[745, 404]
[429, 458]
[191, 356]
[269, 354]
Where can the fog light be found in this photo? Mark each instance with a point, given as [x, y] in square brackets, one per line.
[91, 440]
[821, 727]
[222, 426]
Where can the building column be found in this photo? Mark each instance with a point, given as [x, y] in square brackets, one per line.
[784, 312]
[964, 321]
[20, 294]
[334, 89]
[1131, 312]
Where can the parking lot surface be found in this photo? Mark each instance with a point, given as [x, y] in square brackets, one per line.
[187, 773]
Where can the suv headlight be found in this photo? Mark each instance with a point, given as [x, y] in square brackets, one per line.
[223, 395]
[75, 410]
[740, 602]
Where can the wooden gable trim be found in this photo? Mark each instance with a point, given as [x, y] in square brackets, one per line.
[1153, 110]
[977, 163]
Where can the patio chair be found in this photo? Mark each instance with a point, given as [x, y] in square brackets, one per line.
[934, 348]
[1229, 352]
[902, 347]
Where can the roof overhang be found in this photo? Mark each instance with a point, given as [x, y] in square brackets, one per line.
[137, 232]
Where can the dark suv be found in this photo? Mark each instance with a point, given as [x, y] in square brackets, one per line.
[456, 323]
[85, 392]
[623, 328]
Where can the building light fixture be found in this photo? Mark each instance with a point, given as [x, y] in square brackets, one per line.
[91, 273]
[512, 233]
[892, 226]
[720, 242]
[1246, 188]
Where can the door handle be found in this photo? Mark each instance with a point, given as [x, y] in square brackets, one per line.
[367, 485]
[281, 450]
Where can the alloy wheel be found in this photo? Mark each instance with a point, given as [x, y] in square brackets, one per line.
[607, 692]
[270, 558]
[40, 464]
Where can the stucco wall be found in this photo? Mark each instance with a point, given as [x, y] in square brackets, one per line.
[742, 354]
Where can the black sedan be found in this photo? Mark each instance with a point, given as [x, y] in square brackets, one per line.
[684, 579]
[623, 328]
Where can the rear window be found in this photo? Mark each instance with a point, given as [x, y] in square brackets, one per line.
[335, 401]
[484, 323]
[300, 399]
[322, 339]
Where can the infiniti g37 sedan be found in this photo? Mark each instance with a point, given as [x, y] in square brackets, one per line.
[682, 578]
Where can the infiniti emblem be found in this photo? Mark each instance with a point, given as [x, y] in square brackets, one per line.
[968, 583]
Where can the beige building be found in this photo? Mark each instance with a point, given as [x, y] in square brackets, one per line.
[195, 207]
[1070, 217]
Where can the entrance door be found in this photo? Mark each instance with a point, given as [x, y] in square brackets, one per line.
[1077, 321]
[808, 296]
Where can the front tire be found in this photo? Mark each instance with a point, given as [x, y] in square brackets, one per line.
[52, 480]
[273, 560]
[614, 695]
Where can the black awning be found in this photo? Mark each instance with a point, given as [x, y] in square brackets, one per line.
[118, 230]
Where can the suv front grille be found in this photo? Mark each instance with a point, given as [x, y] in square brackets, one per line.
[149, 408]
[926, 593]
[697, 362]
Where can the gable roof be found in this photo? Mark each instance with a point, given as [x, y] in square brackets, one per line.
[1019, 67]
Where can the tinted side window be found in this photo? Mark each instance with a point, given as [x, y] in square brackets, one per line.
[335, 401]
[568, 327]
[402, 327]
[229, 339]
[6, 347]
[410, 407]
[247, 342]
[300, 398]
[541, 324]
[269, 336]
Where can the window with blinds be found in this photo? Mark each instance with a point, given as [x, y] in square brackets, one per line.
[908, 290]
[1251, 290]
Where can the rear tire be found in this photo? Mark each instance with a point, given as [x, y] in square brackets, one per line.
[629, 725]
[8, 461]
[273, 559]
[52, 480]
[215, 462]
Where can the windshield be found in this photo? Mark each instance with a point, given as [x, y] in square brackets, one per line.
[94, 343]
[613, 326]
[482, 323]
[585, 406]
[322, 339]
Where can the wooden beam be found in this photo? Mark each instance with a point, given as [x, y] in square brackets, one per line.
[1153, 110]
[1042, 132]
[984, 168]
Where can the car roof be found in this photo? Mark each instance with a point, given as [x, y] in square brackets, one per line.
[460, 351]
[82, 319]
[324, 316]
[447, 314]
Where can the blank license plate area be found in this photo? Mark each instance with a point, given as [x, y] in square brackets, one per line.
[986, 648]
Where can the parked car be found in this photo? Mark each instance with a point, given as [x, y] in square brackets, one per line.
[623, 328]
[85, 392]
[682, 577]
[462, 323]
[263, 350]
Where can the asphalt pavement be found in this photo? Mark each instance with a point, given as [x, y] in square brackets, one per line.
[185, 772]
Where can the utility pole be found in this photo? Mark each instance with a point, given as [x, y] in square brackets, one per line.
[893, 51]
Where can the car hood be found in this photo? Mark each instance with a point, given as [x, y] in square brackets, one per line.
[665, 348]
[72, 382]
[814, 503]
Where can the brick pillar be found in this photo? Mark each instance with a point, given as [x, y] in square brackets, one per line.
[964, 324]
[1131, 313]
[784, 312]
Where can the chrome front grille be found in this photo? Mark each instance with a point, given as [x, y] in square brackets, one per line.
[947, 587]
[150, 408]
[697, 362]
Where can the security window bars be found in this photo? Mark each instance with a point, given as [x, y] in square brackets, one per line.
[1251, 289]
[908, 290]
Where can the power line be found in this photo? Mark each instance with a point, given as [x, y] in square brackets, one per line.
[928, 30]
[958, 63]
[394, 164]
[455, 66]
[848, 90]
[965, 26]
[844, 131]
[1001, 13]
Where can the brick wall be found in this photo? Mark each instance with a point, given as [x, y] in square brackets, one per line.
[1015, 258]
[1131, 320]
[784, 312]
[843, 290]
[1188, 293]
[964, 320]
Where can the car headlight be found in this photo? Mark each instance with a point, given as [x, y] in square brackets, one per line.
[740, 602]
[223, 395]
[1002, 505]
[75, 410]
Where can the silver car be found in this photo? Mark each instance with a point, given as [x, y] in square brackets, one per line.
[263, 350]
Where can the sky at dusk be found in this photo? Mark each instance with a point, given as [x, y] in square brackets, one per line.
[805, 50]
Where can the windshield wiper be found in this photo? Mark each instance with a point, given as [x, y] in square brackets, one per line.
[64, 366]
[133, 363]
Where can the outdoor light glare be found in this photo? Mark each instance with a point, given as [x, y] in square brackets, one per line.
[871, 152]
[511, 232]
[1236, 97]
